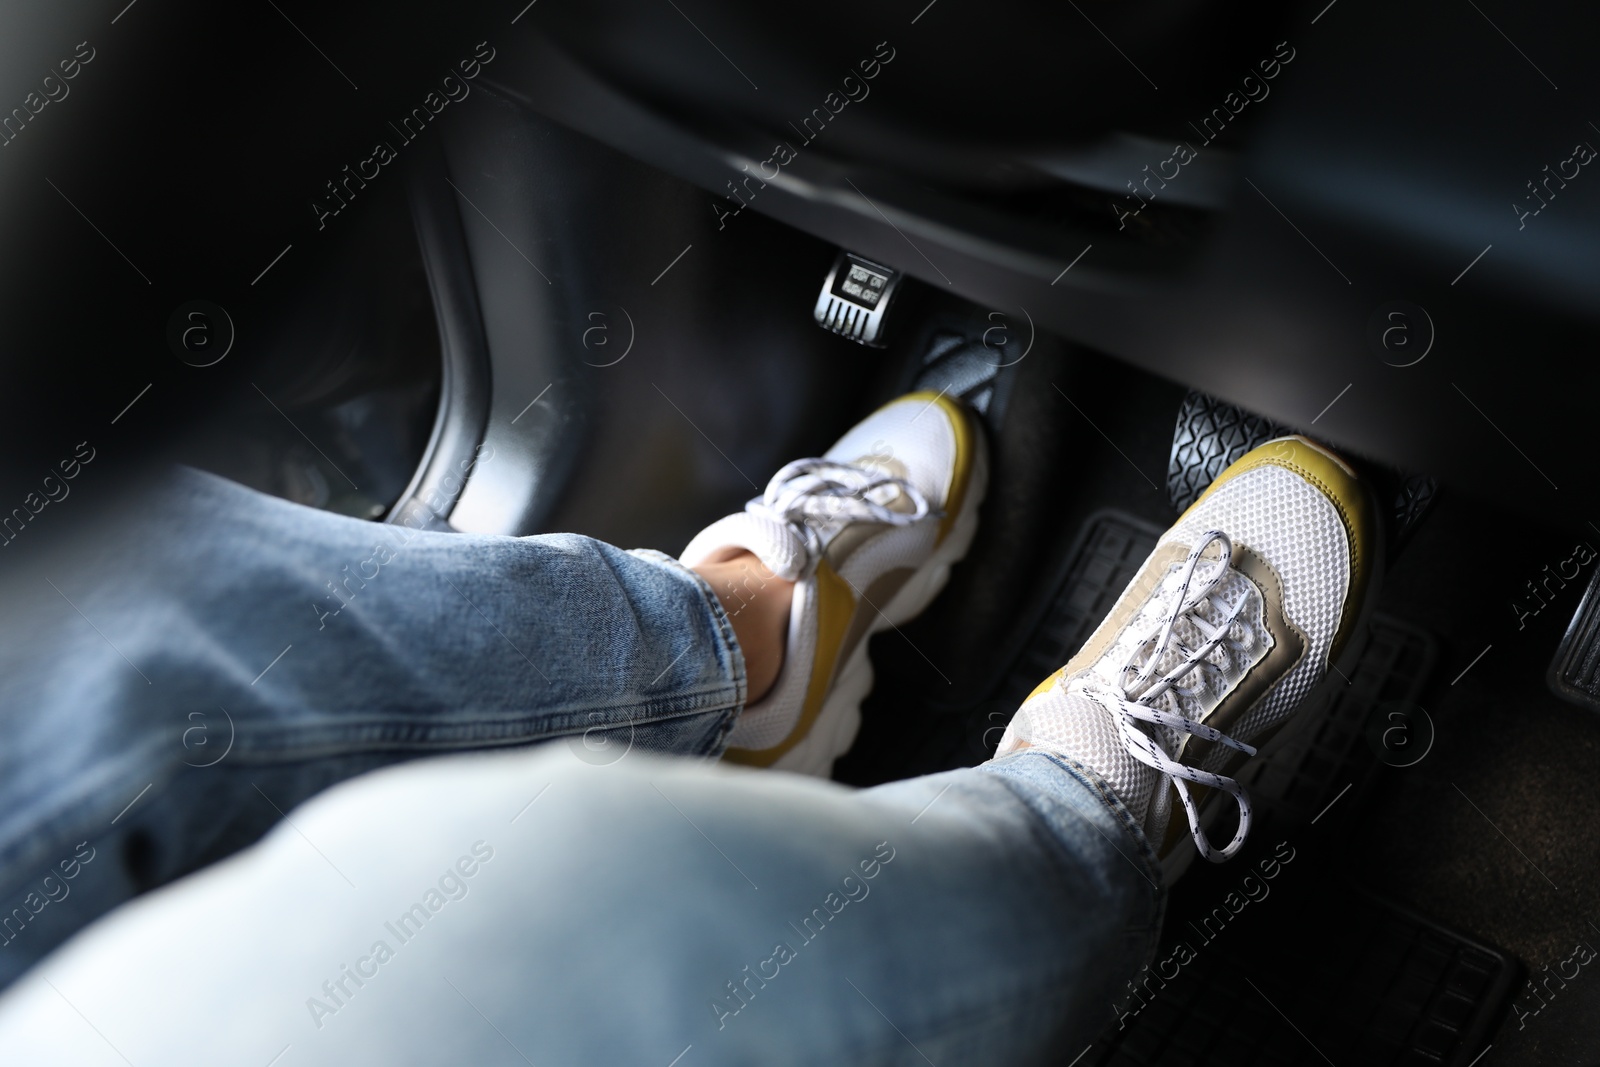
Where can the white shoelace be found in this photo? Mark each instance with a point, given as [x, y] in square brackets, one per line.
[811, 497]
[1135, 702]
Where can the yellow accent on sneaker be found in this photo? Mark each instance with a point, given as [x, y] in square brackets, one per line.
[1044, 686]
[961, 422]
[836, 607]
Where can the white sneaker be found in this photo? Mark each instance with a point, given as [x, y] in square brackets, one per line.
[1231, 622]
[868, 532]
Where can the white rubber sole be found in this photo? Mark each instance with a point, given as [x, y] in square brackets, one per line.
[840, 719]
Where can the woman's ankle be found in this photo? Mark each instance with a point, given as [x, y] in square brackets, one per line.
[757, 603]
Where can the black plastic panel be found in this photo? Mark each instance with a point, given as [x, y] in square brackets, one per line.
[1355, 190]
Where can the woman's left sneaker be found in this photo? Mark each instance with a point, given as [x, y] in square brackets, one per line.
[868, 532]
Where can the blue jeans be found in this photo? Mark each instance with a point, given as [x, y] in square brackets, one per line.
[215, 658]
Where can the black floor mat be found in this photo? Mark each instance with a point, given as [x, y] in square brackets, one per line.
[1370, 721]
[1494, 831]
[1305, 962]
[1361, 982]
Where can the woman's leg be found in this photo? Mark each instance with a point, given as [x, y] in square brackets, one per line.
[208, 657]
[526, 907]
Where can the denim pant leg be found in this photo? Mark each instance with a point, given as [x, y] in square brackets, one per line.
[206, 657]
[647, 912]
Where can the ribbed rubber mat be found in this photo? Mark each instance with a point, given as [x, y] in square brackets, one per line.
[1108, 554]
[1340, 749]
[1345, 978]
[1109, 551]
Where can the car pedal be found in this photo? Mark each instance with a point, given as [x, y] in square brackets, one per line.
[1574, 673]
[957, 361]
[855, 298]
[1210, 434]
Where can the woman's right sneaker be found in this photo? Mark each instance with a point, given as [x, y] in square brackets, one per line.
[1228, 626]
